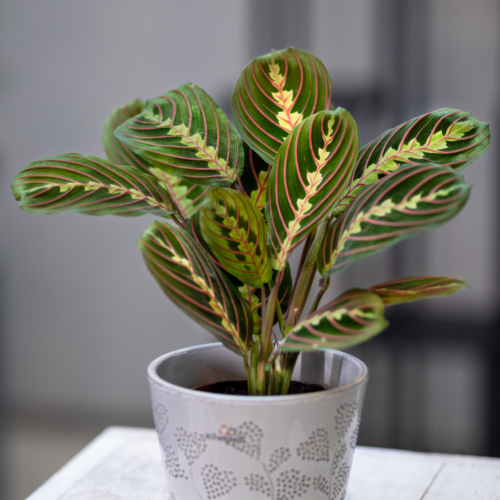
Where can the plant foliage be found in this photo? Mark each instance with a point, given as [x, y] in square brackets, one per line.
[240, 200]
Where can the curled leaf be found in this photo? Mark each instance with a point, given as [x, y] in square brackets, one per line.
[446, 137]
[89, 185]
[352, 318]
[412, 288]
[406, 202]
[236, 233]
[184, 133]
[191, 280]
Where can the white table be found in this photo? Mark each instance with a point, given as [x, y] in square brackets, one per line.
[123, 463]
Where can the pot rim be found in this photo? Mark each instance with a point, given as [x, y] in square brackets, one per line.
[251, 400]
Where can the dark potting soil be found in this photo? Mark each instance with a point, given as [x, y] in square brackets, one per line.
[239, 388]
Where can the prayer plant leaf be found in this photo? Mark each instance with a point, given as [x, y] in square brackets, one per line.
[236, 233]
[352, 318]
[116, 151]
[184, 133]
[89, 185]
[274, 93]
[413, 288]
[254, 177]
[186, 197]
[446, 137]
[191, 280]
[253, 297]
[309, 174]
[406, 202]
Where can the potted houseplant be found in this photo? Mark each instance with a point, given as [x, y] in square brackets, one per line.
[238, 202]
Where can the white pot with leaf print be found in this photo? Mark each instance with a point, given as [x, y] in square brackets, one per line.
[255, 447]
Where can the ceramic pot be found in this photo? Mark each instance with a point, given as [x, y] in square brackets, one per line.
[259, 447]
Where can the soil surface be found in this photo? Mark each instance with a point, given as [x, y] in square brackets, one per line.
[239, 388]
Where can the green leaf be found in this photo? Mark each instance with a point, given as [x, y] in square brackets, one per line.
[235, 231]
[253, 297]
[116, 151]
[184, 133]
[254, 177]
[446, 137]
[411, 288]
[406, 202]
[191, 280]
[187, 197]
[352, 318]
[274, 93]
[89, 185]
[309, 174]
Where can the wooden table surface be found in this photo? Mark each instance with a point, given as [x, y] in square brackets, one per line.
[124, 463]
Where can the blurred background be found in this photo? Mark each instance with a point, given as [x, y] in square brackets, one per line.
[80, 316]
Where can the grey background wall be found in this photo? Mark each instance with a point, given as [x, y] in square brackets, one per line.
[83, 316]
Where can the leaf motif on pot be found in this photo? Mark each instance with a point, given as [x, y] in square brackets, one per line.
[256, 482]
[291, 484]
[344, 417]
[172, 463]
[354, 436]
[340, 482]
[217, 482]
[316, 448]
[320, 483]
[160, 416]
[278, 457]
[191, 444]
[338, 456]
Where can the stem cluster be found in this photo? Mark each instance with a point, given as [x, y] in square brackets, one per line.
[270, 371]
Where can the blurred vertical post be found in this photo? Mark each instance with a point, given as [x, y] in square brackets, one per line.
[403, 26]
[494, 353]
[403, 63]
[3, 394]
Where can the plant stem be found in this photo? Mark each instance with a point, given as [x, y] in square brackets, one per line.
[239, 186]
[305, 279]
[303, 255]
[252, 369]
[290, 360]
[266, 334]
[324, 287]
[181, 223]
[279, 312]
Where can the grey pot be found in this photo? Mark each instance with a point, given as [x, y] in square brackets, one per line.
[248, 448]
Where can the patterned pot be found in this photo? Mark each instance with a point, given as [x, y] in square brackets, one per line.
[248, 448]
